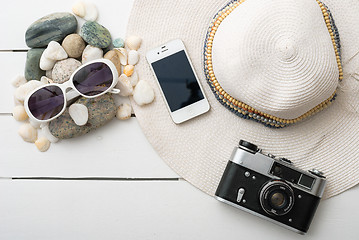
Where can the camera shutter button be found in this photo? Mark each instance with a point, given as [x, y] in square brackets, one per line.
[241, 192]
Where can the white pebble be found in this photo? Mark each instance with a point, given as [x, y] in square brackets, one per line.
[23, 90]
[122, 55]
[133, 42]
[91, 12]
[133, 57]
[28, 132]
[18, 81]
[46, 63]
[134, 78]
[79, 9]
[55, 51]
[91, 53]
[79, 113]
[43, 144]
[124, 111]
[124, 85]
[45, 131]
[143, 93]
[19, 113]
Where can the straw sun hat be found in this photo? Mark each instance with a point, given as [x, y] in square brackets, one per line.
[282, 74]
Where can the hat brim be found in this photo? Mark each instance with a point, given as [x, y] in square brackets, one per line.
[199, 149]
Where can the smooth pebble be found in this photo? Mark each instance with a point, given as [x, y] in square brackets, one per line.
[53, 27]
[95, 34]
[91, 53]
[124, 111]
[74, 45]
[46, 63]
[55, 51]
[91, 12]
[19, 113]
[124, 85]
[143, 93]
[79, 113]
[32, 66]
[118, 43]
[18, 81]
[43, 144]
[46, 80]
[128, 70]
[63, 69]
[28, 132]
[133, 42]
[133, 57]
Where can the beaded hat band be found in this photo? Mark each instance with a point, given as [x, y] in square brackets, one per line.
[243, 109]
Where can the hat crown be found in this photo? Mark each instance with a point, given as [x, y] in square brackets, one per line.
[277, 56]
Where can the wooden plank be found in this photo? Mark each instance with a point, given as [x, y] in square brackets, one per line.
[18, 15]
[118, 149]
[12, 64]
[149, 210]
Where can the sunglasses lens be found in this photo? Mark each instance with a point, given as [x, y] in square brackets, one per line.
[93, 79]
[46, 103]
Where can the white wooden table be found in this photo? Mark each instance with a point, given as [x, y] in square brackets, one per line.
[111, 184]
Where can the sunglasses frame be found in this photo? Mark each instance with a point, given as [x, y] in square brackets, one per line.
[73, 93]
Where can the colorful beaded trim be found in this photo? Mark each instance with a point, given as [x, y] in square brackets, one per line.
[240, 108]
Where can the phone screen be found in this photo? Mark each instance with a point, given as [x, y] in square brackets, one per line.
[177, 80]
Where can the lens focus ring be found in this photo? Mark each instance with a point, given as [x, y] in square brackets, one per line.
[277, 198]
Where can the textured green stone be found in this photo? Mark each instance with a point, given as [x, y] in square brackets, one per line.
[118, 43]
[32, 67]
[53, 27]
[95, 34]
[101, 110]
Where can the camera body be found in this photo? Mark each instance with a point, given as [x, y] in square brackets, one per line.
[271, 188]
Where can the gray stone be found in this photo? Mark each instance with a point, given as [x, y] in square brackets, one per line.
[53, 27]
[101, 110]
[95, 34]
[63, 70]
[32, 67]
[74, 45]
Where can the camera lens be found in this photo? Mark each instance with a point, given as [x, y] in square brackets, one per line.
[277, 197]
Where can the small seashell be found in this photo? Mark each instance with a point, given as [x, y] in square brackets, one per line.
[55, 52]
[19, 113]
[18, 81]
[124, 85]
[133, 42]
[118, 43]
[91, 12]
[143, 93]
[134, 78]
[28, 132]
[124, 111]
[122, 54]
[79, 113]
[43, 144]
[133, 57]
[128, 70]
[46, 63]
[18, 102]
[113, 57]
[45, 131]
[46, 80]
[79, 9]
[23, 90]
[91, 53]
[34, 123]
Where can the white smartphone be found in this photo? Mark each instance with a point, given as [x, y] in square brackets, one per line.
[178, 81]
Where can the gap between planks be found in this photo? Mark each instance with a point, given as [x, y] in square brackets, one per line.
[92, 179]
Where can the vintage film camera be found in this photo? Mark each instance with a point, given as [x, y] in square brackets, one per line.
[271, 188]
